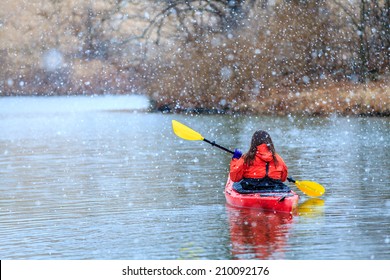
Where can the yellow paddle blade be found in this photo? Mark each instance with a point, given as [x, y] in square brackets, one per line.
[310, 188]
[185, 132]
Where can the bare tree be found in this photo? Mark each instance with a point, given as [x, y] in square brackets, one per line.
[193, 18]
[371, 24]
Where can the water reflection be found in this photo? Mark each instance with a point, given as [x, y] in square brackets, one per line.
[312, 208]
[258, 235]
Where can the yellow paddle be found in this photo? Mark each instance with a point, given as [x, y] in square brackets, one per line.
[187, 133]
[307, 187]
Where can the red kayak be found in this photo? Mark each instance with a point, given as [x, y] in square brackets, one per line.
[269, 201]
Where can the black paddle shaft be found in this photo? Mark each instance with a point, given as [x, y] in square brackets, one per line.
[218, 146]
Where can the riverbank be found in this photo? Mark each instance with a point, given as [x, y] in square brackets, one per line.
[372, 99]
[341, 98]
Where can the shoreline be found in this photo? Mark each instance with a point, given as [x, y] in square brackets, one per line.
[370, 99]
[344, 99]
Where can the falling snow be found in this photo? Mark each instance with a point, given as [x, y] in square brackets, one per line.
[90, 168]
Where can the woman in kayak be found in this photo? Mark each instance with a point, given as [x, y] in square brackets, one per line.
[261, 167]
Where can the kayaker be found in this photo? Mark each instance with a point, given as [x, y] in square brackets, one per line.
[261, 167]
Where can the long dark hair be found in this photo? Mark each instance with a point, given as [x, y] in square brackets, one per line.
[258, 138]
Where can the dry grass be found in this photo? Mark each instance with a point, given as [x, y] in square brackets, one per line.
[371, 99]
[285, 60]
[291, 61]
[341, 98]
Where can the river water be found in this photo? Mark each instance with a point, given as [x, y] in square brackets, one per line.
[100, 178]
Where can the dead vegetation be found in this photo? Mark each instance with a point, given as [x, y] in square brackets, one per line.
[300, 57]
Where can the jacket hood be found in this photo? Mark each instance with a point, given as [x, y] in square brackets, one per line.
[264, 153]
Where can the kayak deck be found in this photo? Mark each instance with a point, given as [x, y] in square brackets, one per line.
[269, 201]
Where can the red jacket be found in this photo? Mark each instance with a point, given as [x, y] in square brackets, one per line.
[257, 170]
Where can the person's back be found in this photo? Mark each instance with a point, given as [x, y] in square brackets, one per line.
[260, 162]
